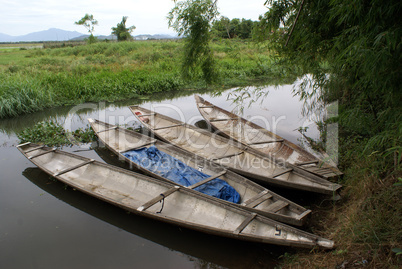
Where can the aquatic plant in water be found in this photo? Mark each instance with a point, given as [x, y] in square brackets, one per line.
[52, 133]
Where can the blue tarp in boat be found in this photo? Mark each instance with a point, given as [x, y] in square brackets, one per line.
[170, 168]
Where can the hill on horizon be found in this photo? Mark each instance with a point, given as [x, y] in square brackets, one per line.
[54, 34]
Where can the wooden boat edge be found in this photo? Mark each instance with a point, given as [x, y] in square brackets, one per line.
[264, 179]
[200, 100]
[319, 241]
[299, 220]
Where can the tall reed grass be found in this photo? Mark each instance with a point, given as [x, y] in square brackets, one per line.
[20, 95]
[36, 79]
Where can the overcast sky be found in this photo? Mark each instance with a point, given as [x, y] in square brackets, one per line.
[20, 17]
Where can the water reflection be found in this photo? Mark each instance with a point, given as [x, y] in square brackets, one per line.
[278, 107]
[201, 249]
[245, 97]
[29, 232]
[10, 126]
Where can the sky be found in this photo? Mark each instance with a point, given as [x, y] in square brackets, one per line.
[20, 17]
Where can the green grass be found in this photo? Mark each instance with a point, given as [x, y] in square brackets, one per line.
[36, 79]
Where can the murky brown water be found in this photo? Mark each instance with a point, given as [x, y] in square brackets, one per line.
[43, 224]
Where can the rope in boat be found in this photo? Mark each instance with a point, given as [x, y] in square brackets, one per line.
[163, 203]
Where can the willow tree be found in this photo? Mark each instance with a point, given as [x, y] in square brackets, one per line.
[192, 19]
[360, 44]
[122, 32]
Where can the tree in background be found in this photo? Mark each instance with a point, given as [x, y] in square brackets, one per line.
[193, 20]
[122, 32]
[226, 28]
[245, 28]
[88, 22]
[221, 27]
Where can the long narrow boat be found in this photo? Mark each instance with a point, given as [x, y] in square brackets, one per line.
[164, 201]
[256, 137]
[233, 155]
[253, 197]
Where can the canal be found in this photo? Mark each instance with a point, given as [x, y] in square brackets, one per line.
[45, 224]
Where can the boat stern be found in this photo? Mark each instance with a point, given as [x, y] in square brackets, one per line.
[325, 243]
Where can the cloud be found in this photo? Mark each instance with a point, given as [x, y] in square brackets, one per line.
[20, 17]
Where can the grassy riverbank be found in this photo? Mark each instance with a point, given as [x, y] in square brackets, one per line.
[366, 223]
[36, 79]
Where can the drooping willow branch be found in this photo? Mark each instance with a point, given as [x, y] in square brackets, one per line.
[294, 24]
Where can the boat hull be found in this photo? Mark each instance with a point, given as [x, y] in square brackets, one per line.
[231, 154]
[164, 201]
[253, 197]
[270, 144]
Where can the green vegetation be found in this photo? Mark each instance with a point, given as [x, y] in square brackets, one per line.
[360, 44]
[89, 22]
[52, 133]
[191, 19]
[36, 79]
[233, 28]
[351, 53]
[122, 32]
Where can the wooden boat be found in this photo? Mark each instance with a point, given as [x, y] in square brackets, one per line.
[231, 154]
[256, 137]
[164, 201]
[253, 197]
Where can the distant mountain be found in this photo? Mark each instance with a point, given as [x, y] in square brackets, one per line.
[52, 34]
[5, 38]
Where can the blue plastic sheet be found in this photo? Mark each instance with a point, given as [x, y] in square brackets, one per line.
[170, 168]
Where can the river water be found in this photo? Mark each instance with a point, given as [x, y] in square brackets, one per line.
[44, 224]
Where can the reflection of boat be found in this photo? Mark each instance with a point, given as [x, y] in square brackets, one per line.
[256, 137]
[207, 249]
[180, 206]
[253, 197]
[231, 154]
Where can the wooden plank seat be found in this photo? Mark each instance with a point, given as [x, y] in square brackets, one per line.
[258, 199]
[140, 146]
[281, 173]
[158, 198]
[147, 115]
[306, 163]
[215, 120]
[245, 223]
[42, 153]
[212, 106]
[108, 129]
[266, 142]
[170, 126]
[207, 180]
[36, 148]
[227, 156]
[73, 168]
[276, 206]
